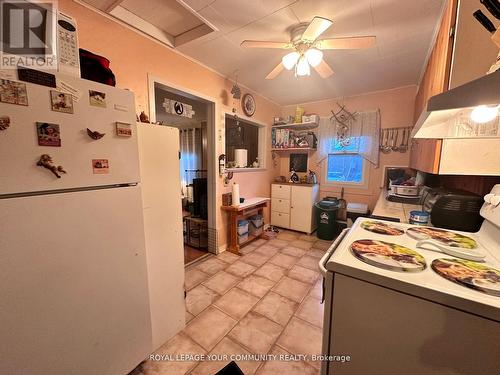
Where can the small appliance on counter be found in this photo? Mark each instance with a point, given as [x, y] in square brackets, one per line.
[453, 209]
[403, 185]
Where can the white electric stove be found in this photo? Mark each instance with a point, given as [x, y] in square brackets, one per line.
[396, 306]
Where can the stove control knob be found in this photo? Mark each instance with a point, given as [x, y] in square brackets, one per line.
[495, 201]
[488, 197]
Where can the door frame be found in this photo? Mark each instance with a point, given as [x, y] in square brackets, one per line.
[212, 110]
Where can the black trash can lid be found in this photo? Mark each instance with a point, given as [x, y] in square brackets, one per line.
[328, 204]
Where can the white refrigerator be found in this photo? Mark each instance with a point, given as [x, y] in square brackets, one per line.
[74, 293]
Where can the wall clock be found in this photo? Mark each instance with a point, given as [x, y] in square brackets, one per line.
[248, 104]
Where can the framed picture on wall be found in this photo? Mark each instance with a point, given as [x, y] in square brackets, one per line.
[298, 162]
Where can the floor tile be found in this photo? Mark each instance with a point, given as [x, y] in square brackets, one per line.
[228, 257]
[240, 269]
[308, 237]
[292, 289]
[303, 274]
[221, 282]
[248, 248]
[236, 303]
[199, 298]
[189, 317]
[283, 260]
[317, 253]
[293, 251]
[259, 242]
[255, 258]
[317, 290]
[256, 285]
[211, 266]
[322, 245]
[305, 245]
[194, 277]
[209, 327]
[256, 333]
[270, 271]
[267, 250]
[178, 345]
[309, 262]
[278, 243]
[288, 236]
[300, 337]
[225, 349]
[311, 310]
[277, 308]
[285, 367]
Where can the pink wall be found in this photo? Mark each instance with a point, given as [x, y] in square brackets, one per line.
[133, 57]
[396, 110]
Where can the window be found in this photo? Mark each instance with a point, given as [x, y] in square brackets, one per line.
[346, 168]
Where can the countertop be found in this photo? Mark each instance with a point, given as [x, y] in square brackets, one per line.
[249, 202]
[397, 210]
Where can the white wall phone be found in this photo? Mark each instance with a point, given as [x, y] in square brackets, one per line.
[68, 55]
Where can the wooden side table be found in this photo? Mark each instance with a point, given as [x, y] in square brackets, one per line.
[252, 206]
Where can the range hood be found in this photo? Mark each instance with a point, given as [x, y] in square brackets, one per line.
[448, 115]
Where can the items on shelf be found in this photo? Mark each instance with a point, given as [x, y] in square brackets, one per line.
[288, 138]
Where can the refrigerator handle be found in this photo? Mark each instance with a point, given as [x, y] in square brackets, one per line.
[330, 251]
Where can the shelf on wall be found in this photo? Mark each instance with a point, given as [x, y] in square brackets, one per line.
[294, 149]
[298, 126]
[239, 170]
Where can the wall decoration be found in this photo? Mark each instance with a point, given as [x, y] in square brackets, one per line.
[123, 129]
[298, 162]
[61, 102]
[48, 134]
[143, 117]
[97, 98]
[100, 166]
[4, 122]
[13, 92]
[175, 107]
[95, 135]
[248, 104]
[46, 162]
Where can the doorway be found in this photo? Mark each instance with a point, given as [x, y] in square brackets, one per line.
[194, 117]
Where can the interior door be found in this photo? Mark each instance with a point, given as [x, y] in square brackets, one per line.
[74, 295]
[300, 209]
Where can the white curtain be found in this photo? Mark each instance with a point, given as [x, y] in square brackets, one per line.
[190, 142]
[362, 137]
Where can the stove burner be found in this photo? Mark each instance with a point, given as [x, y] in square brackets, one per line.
[381, 228]
[445, 237]
[469, 274]
[388, 255]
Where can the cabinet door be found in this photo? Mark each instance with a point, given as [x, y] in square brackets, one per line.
[425, 155]
[301, 208]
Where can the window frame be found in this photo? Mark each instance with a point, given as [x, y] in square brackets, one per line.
[364, 184]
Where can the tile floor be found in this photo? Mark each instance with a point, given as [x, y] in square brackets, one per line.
[265, 302]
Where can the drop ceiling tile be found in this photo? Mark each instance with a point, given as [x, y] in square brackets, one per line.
[198, 4]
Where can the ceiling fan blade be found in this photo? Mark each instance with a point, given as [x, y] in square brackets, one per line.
[277, 70]
[324, 69]
[264, 44]
[356, 42]
[317, 27]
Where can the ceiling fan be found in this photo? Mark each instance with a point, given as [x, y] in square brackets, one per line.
[307, 48]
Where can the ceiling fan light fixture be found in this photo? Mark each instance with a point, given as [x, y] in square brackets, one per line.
[290, 59]
[314, 56]
[302, 68]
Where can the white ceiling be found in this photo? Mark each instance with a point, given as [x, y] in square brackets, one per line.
[404, 31]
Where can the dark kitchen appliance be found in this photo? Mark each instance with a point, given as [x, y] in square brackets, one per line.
[200, 198]
[454, 209]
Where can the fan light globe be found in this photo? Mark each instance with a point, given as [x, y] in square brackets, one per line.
[314, 56]
[290, 59]
[484, 113]
[302, 68]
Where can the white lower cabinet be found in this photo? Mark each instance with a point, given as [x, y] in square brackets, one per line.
[292, 206]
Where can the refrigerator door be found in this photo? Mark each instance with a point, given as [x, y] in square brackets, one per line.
[161, 196]
[74, 296]
[20, 151]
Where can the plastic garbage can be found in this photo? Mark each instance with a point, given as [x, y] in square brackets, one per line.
[326, 215]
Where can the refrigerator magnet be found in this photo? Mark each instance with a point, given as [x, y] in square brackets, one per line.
[48, 134]
[97, 98]
[61, 101]
[100, 166]
[123, 129]
[13, 92]
[4, 122]
[94, 134]
[46, 162]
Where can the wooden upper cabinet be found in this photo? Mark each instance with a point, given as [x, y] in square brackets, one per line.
[425, 153]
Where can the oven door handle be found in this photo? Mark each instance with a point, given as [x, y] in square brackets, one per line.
[328, 254]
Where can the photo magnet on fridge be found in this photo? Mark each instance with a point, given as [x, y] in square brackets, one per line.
[61, 102]
[100, 166]
[48, 134]
[4, 122]
[97, 98]
[123, 129]
[13, 92]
